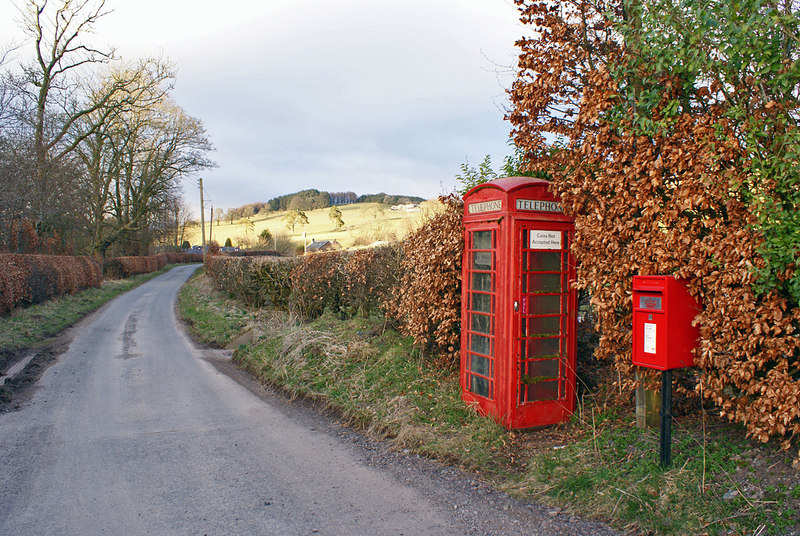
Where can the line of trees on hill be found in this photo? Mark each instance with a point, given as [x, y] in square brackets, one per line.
[312, 199]
[92, 148]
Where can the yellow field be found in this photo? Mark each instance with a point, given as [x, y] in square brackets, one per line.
[364, 223]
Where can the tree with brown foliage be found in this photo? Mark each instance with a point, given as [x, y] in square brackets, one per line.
[670, 131]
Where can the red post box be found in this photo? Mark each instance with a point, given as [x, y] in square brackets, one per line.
[518, 329]
[663, 311]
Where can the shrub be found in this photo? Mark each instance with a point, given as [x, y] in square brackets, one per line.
[427, 300]
[122, 267]
[29, 279]
[676, 166]
[317, 284]
[369, 278]
[257, 281]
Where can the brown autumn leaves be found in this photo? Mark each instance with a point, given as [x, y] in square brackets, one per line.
[664, 203]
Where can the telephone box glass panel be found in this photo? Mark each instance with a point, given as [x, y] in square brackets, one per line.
[481, 324]
[543, 320]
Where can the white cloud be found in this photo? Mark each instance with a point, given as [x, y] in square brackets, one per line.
[363, 95]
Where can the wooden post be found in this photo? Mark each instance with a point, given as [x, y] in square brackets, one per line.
[648, 406]
[202, 220]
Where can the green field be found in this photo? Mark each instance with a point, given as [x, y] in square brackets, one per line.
[364, 224]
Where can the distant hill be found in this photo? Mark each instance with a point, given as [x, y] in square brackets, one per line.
[313, 199]
[364, 224]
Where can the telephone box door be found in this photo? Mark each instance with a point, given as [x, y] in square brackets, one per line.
[544, 316]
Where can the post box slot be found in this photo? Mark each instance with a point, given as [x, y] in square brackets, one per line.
[650, 286]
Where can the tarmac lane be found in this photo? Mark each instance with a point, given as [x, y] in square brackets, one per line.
[134, 430]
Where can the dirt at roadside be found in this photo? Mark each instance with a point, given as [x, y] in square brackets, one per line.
[16, 391]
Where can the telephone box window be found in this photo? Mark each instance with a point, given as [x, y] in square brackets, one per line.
[482, 260]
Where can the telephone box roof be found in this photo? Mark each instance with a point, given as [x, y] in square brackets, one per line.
[508, 184]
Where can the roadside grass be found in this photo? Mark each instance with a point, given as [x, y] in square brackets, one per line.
[213, 319]
[29, 326]
[598, 465]
[710, 488]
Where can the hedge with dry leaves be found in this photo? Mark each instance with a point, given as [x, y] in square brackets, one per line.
[666, 173]
[29, 279]
[257, 281]
[317, 284]
[427, 299]
[342, 282]
[122, 267]
[369, 277]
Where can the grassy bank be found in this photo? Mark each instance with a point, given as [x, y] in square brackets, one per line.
[598, 465]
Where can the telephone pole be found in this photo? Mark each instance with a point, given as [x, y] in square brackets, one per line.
[202, 220]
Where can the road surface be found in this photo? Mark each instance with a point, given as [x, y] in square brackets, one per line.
[136, 431]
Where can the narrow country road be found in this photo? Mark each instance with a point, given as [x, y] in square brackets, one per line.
[135, 431]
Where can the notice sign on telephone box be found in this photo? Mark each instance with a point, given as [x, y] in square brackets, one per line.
[545, 239]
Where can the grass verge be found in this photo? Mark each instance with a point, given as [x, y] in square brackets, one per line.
[598, 465]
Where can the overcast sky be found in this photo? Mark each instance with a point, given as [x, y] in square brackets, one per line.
[362, 95]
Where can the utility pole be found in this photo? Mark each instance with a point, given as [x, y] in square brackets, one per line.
[210, 222]
[202, 220]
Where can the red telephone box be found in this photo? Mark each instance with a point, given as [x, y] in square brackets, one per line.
[519, 310]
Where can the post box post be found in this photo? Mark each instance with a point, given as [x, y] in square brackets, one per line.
[665, 450]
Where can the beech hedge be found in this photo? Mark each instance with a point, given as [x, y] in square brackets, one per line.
[122, 267]
[346, 283]
[28, 279]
